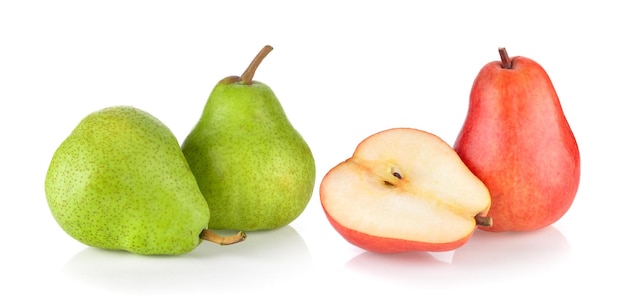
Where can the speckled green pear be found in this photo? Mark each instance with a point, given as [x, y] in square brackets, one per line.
[254, 169]
[120, 181]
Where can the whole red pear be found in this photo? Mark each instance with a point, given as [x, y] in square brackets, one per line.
[516, 139]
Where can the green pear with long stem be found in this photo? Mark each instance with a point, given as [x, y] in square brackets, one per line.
[120, 181]
[255, 170]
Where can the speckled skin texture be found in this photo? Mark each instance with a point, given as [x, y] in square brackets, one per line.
[254, 169]
[517, 140]
[120, 181]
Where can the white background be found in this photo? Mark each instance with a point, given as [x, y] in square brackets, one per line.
[342, 70]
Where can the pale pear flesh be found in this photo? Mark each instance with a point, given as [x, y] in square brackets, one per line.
[405, 184]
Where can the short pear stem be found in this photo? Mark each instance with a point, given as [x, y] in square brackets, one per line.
[211, 236]
[484, 221]
[504, 57]
[248, 74]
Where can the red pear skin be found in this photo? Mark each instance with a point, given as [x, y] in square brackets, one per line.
[516, 139]
[385, 245]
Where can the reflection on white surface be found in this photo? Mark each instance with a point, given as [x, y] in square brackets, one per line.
[521, 252]
[278, 255]
[486, 257]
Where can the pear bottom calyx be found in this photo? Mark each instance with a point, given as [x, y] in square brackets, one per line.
[211, 236]
[485, 221]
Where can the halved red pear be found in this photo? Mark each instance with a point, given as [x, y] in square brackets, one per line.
[404, 190]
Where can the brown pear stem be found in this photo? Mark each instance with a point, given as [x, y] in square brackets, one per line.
[211, 236]
[504, 57]
[248, 74]
[483, 221]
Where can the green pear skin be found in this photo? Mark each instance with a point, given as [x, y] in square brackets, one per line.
[120, 181]
[254, 169]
